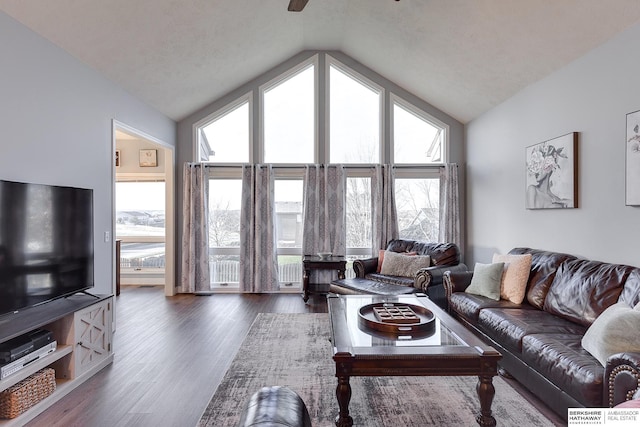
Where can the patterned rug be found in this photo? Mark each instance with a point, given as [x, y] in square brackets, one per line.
[293, 350]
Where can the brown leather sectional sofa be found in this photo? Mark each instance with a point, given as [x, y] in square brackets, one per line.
[444, 257]
[540, 339]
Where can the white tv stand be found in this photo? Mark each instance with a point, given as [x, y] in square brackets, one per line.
[82, 325]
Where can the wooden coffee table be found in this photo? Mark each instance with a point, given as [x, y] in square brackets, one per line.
[448, 349]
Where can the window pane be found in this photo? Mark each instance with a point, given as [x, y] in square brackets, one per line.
[354, 120]
[290, 270]
[138, 256]
[140, 209]
[415, 140]
[224, 213]
[226, 139]
[289, 120]
[288, 198]
[358, 213]
[417, 204]
[225, 197]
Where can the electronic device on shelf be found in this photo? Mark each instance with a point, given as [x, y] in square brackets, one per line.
[18, 347]
[23, 362]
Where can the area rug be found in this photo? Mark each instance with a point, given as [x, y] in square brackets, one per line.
[294, 350]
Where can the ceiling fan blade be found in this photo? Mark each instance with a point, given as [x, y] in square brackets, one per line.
[297, 5]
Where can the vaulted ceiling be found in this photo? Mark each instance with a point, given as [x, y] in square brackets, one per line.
[462, 56]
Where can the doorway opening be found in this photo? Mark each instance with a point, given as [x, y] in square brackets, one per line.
[143, 210]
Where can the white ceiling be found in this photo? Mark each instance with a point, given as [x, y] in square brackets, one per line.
[462, 56]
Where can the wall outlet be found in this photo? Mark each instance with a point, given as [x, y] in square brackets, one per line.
[107, 237]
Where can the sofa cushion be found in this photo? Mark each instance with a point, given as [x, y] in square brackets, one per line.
[631, 292]
[440, 253]
[381, 253]
[397, 264]
[357, 285]
[616, 330]
[393, 280]
[516, 274]
[583, 289]
[509, 326]
[563, 361]
[543, 269]
[486, 280]
[469, 305]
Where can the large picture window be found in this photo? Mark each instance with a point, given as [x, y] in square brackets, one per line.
[320, 111]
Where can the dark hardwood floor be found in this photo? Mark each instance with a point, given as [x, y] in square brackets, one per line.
[170, 355]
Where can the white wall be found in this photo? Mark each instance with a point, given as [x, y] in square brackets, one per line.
[56, 126]
[592, 96]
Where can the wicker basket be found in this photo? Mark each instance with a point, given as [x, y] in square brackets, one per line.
[18, 398]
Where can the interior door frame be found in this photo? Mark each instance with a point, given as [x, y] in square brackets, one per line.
[170, 232]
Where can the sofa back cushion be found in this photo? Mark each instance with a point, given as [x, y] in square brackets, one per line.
[631, 292]
[583, 289]
[440, 253]
[544, 265]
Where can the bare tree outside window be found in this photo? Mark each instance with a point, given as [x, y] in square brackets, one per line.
[417, 204]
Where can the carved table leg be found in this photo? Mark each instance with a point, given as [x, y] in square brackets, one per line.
[305, 285]
[486, 391]
[343, 393]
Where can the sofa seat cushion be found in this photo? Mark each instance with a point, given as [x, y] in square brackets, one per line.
[365, 286]
[394, 280]
[563, 361]
[469, 305]
[509, 326]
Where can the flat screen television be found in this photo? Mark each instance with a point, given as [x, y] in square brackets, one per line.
[46, 243]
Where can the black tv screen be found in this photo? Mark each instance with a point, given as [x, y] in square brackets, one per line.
[46, 243]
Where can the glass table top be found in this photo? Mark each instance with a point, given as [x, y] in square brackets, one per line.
[360, 336]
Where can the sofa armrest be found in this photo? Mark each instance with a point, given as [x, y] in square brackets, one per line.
[362, 267]
[622, 377]
[456, 281]
[432, 276]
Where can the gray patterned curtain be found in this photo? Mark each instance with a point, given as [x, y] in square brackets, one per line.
[258, 258]
[324, 210]
[195, 229]
[324, 213]
[385, 217]
[449, 205]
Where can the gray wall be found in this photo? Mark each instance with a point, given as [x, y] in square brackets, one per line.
[591, 96]
[56, 119]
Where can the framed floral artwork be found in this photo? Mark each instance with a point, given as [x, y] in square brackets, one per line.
[552, 173]
[632, 154]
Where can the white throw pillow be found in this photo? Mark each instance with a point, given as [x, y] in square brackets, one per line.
[515, 277]
[616, 330]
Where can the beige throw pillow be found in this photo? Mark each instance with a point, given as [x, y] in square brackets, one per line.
[396, 264]
[515, 277]
[616, 330]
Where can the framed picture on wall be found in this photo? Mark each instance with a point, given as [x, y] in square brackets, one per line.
[552, 173]
[148, 158]
[632, 155]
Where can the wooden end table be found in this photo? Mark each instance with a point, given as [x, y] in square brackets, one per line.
[451, 350]
[314, 262]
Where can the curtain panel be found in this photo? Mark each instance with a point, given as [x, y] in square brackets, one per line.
[385, 217]
[449, 205]
[195, 230]
[324, 213]
[324, 209]
[258, 238]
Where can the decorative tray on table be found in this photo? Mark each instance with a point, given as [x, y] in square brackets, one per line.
[396, 319]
